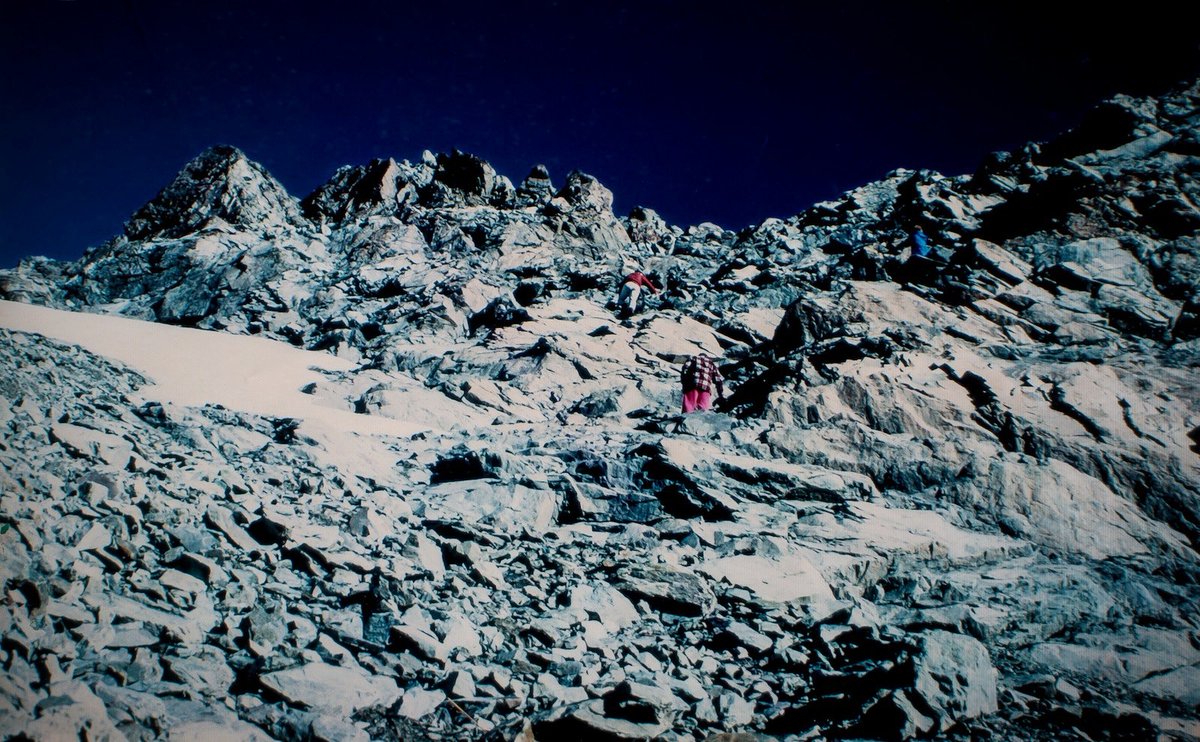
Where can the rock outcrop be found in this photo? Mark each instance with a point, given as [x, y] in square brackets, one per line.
[954, 496]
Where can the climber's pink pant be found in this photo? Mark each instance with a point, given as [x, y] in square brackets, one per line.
[695, 399]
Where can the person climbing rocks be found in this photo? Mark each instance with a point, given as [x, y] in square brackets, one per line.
[631, 288]
[924, 265]
[698, 377]
[919, 243]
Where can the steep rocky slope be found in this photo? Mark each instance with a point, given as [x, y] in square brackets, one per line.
[955, 498]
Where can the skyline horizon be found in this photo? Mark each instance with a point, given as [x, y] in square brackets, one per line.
[703, 113]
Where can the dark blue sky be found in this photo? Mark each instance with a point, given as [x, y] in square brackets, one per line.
[729, 112]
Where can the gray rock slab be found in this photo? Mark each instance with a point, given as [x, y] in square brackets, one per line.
[734, 710]
[69, 711]
[460, 637]
[1180, 684]
[181, 581]
[589, 721]
[502, 505]
[420, 641]
[604, 603]
[205, 670]
[756, 478]
[1123, 664]
[1054, 504]
[955, 677]
[322, 686]
[667, 590]
[264, 630]
[188, 628]
[417, 702]
[222, 519]
[748, 637]
[790, 578]
[86, 442]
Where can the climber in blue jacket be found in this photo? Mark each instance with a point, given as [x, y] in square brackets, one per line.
[919, 243]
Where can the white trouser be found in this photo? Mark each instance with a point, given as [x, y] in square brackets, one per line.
[629, 296]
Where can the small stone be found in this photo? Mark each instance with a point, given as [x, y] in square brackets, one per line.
[734, 710]
[748, 637]
[460, 684]
[97, 537]
[180, 581]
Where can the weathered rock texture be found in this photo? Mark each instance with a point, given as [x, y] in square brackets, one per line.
[955, 497]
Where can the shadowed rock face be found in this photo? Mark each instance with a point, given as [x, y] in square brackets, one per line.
[947, 497]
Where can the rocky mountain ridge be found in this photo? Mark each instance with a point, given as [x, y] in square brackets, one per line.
[945, 498]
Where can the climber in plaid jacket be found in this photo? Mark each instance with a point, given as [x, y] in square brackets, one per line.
[698, 377]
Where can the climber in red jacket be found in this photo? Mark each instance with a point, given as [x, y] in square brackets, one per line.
[631, 288]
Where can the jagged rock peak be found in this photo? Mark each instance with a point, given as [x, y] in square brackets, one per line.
[387, 187]
[383, 187]
[1123, 119]
[536, 190]
[463, 179]
[645, 226]
[465, 172]
[220, 184]
[586, 205]
[583, 193]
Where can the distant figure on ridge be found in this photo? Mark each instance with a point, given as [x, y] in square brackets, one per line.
[631, 288]
[919, 243]
[698, 377]
[924, 265]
